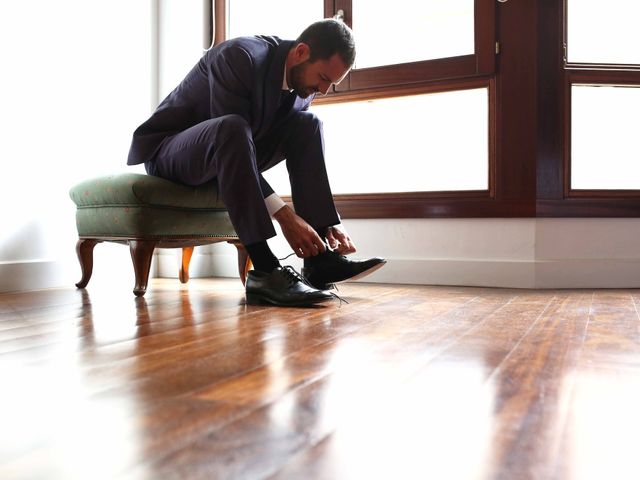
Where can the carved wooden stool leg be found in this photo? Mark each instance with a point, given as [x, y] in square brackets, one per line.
[184, 267]
[141, 254]
[84, 249]
[244, 262]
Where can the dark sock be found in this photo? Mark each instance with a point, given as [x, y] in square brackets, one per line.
[262, 257]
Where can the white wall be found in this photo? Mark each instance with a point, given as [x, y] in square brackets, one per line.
[584, 253]
[521, 253]
[75, 83]
[180, 41]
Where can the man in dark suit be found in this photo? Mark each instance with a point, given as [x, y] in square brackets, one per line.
[242, 109]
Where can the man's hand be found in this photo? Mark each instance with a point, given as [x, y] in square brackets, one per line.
[339, 240]
[303, 239]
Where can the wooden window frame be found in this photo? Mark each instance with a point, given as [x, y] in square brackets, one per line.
[530, 95]
[556, 196]
[434, 204]
[480, 63]
[591, 74]
[587, 77]
[512, 137]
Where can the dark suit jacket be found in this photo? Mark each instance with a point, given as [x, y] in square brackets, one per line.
[240, 76]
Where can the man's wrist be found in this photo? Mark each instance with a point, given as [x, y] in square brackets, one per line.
[283, 214]
[273, 203]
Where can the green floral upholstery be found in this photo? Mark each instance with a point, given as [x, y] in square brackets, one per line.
[133, 205]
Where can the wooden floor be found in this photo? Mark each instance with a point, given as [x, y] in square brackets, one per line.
[403, 382]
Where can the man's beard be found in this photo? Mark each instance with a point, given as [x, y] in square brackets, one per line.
[297, 75]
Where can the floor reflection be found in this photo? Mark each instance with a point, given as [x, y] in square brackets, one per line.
[603, 425]
[383, 422]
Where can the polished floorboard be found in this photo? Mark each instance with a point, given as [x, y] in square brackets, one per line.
[403, 382]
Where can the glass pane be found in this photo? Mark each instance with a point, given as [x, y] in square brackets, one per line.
[603, 32]
[283, 18]
[405, 31]
[416, 143]
[605, 146]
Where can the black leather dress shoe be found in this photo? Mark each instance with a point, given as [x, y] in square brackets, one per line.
[330, 267]
[283, 286]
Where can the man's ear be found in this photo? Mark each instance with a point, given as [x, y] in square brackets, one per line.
[302, 52]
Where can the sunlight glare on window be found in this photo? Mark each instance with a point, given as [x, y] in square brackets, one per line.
[283, 18]
[404, 31]
[418, 143]
[603, 32]
[605, 147]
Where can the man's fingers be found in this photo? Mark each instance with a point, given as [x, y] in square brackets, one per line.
[346, 245]
[333, 243]
[343, 249]
[310, 247]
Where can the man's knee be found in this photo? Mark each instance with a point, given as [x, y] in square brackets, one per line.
[229, 127]
[306, 121]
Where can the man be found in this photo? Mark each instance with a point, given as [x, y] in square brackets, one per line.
[241, 110]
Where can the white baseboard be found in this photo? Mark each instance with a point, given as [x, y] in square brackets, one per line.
[588, 273]
[202, 264]
[562, 273]
[477, 273]
[34, 275]
[419, 271]
[544, 274]
[111, 266]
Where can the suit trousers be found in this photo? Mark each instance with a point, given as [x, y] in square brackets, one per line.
[223, 150]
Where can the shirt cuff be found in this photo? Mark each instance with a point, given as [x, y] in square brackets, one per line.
[273, 203]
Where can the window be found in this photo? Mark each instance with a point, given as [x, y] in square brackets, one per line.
[448, 42]
[603, 33]
[423, 41]
[406, 42]
[605, 146]
[428, 30]
[283, 18]
[546, 137]
[602, 67]
[424, 149]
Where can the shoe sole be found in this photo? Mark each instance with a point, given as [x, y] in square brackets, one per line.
[366, 272]
[360, 275]
[257, 299]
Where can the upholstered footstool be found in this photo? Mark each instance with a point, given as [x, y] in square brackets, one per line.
[146, 212]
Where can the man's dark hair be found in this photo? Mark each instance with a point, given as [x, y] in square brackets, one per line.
[328, 37]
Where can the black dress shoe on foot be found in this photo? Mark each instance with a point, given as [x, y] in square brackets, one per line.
[330, 267]
[283, 286]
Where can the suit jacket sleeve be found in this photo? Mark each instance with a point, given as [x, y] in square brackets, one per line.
[265, 187]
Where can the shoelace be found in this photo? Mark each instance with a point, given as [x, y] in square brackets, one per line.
[296, 277]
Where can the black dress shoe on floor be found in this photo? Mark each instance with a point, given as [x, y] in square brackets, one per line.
[283, 286]
[330, 267]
